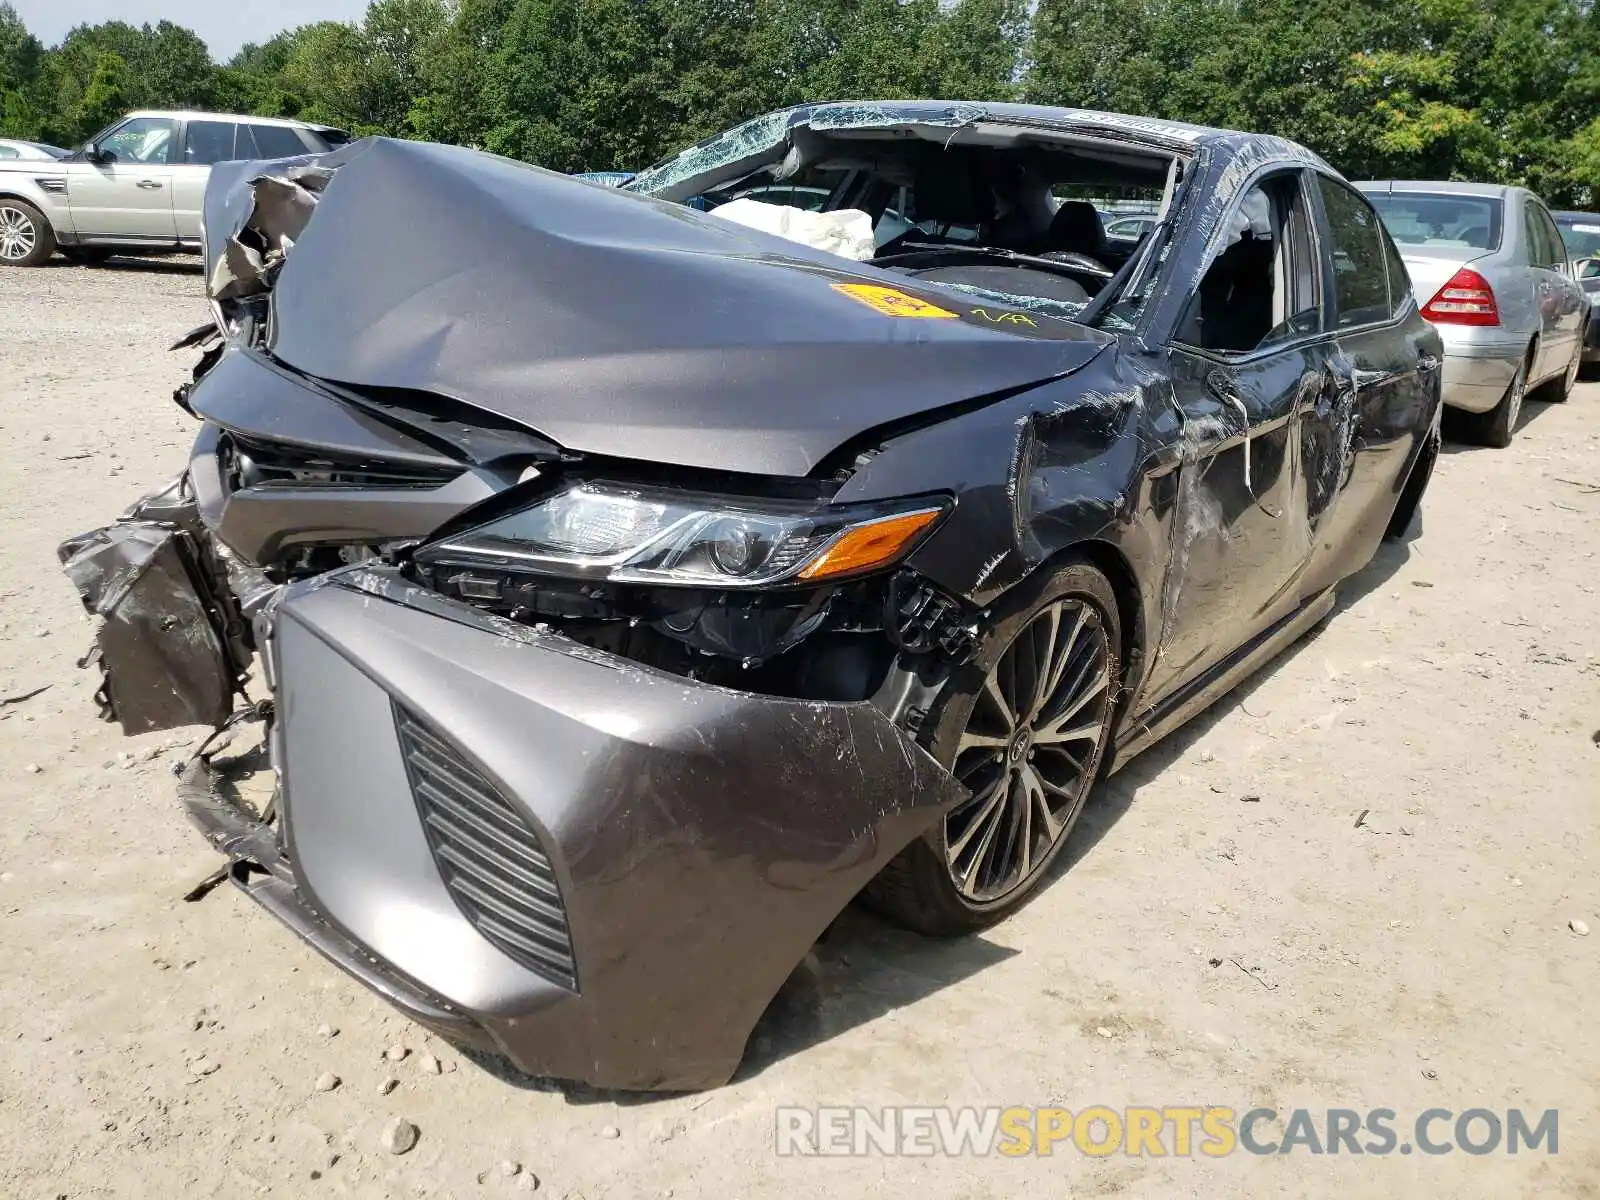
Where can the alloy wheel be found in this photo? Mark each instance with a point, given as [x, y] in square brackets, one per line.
[1030, 751]
[17, 234]
[1519, 388]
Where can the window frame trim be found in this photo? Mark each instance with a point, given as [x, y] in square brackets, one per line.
[178, 134]
[1318, 265]
[1331, 299]
[1540, 209]
[189, 123]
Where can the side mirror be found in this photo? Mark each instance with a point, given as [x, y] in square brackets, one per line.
[1589, 268]
[92, 152]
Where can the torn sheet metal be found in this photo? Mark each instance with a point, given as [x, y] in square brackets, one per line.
[663, 334]
[280, 206]
[165, 654]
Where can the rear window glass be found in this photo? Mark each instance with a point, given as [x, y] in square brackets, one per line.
[1440, 220]
[1358, 252]
[1581, 235]
[207, 142]
[278, 141]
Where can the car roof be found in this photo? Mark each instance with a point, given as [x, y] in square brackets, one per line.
[1230, 150]
[1448, 187]
[1173, 131]
[177, 114]
[1571, 215]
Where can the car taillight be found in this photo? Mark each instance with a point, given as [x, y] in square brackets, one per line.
[1466, 299]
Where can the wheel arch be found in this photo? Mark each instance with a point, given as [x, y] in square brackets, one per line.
[1110, 561]
[48, 239]
[31, 201]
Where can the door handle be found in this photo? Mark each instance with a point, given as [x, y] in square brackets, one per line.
[149, 185]
[1220, 385]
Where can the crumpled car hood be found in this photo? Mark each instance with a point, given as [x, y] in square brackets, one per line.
[614, 324]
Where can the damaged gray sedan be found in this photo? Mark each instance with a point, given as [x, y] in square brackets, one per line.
[634, 586]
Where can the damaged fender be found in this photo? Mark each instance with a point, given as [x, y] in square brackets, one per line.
[169, 644]
[687, 901]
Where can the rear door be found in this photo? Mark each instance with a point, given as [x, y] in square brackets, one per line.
[1383, 377]
[1562, 305]
[1534, 260]
[128, 196]
[1248, 360]
[205, 143]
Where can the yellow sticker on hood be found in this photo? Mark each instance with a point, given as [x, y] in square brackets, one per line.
[889, 301]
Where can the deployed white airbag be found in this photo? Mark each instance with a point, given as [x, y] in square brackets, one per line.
[846, 232]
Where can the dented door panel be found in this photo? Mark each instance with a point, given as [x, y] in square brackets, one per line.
[1362, 440]
[1239, 538]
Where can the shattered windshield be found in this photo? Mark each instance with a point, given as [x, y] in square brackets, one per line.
[995, 209]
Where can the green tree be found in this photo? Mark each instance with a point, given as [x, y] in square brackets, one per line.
[976, 49]
[21, 65]
[171, 68]
[105, 99]
[365, 77]
[253, 80]
[451, 105]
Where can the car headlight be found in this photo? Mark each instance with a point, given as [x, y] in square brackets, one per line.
[625, 535]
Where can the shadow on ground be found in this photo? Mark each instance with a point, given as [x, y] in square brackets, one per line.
[178, 264]
[1534, 406]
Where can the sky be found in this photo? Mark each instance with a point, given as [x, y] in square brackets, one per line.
[224, 24]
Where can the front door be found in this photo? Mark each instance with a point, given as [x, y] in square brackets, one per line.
[1248, 359]
[204, 143]
[127, 195]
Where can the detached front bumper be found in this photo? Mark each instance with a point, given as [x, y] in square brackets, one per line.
[604, 871]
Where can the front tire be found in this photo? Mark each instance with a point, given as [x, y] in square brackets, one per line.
[26, 239]
[1025, 726]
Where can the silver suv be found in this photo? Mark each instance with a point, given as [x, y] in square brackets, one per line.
[138, 186]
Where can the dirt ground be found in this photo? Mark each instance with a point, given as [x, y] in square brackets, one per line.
[1350, 885]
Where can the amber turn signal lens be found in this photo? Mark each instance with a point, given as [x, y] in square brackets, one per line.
[871, 545]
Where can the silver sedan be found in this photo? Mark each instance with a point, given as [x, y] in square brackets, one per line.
[1490, 271]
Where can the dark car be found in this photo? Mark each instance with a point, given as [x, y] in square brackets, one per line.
[633, 589]
[1580, 231]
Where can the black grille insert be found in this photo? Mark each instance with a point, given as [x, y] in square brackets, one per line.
[492, 864]
[254, 463]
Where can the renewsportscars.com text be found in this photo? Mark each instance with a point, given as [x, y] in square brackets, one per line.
[1206, 1131]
